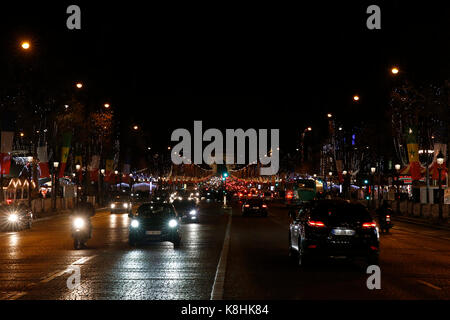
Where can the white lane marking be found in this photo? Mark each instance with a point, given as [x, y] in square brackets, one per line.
[429, 284]
[57, 274]
[219, 279]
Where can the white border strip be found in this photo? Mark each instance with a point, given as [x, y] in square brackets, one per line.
[219, 279]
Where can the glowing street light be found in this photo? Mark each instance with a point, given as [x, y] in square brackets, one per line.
[329, 115]
[25, 45]
[394, 70]
[135, 127]
[356, 98]
[107, 105]
[79, 85]
[397, 167]
[309, 128]
[78, 167]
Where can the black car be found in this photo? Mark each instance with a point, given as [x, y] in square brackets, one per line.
[15, 217]
[120, 203]
[254, 206]
[333, 228]
[187, 210]
[155, 221]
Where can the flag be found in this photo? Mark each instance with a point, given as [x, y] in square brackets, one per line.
[5, 163]
[67, 138]
[109, 170]
[93, 167]
[43, 161]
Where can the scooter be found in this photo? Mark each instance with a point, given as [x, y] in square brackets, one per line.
[385, 221]
[81, 231]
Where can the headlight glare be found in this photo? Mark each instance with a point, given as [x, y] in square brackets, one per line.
[78, 223]
[193, 212]
[173, 223]
[113, 205]
[134, 223]
[13, 217]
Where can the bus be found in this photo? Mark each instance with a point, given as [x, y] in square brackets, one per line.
[299, 191]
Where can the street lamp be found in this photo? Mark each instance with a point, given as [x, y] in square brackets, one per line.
[355, 98]
[106, 105]
[79, 85]
[372, 170]
[394, 70]
[78, 167]
[102, 171]
[135, 127]
[329, 115]
[440, 162]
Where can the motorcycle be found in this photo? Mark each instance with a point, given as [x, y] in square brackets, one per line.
[385, 221]
[81, 231]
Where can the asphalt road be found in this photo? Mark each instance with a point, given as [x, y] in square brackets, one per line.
[248, 262]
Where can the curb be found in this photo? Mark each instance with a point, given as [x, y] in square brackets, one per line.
[420, 223]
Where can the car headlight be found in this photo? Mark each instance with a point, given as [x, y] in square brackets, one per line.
[173, 223]
[125, 205]
[113, 205]
[193, 212]
[134, 223]
[13, 217]
[78, 223]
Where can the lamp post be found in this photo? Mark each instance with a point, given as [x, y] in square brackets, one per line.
[397, 169]
[440, 161]
[115, 174]
[30, 177]
[100, 186]
[78, 168]
[331, 181]
[345, 183]
[54, 184]
[372, 170]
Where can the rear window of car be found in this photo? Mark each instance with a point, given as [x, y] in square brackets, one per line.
[255, 202]
[340, 213]
[155, 210]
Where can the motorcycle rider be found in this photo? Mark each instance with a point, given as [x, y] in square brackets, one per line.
[383, 211]
[86, 210]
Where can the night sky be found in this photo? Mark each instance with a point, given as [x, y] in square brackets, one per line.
[259, 66]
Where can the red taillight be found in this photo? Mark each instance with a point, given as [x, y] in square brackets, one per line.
[318, 224]
[264, 206]
[9, 201]
[247, 205]
[240, 194]
[312, 246]
[289, 195]
[373, 248]
[388, 216]
[369, 225]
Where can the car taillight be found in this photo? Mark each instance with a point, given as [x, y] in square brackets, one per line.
[369, 225]
[318, 224]
[289, 195]
[388, 216]
[264, 206]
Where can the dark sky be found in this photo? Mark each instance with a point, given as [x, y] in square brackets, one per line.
[259, 66]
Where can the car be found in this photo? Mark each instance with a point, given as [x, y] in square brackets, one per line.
[256, 206]
[333, 228]
[187, 210]
[15, 217]
[154, 222]
[120, 204]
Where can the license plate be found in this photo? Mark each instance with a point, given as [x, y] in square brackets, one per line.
[153, 233]
[343, 232]
[255, 207]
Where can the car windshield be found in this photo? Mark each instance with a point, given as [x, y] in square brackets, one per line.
[338, 213]
[155, 210]
[183, 204]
